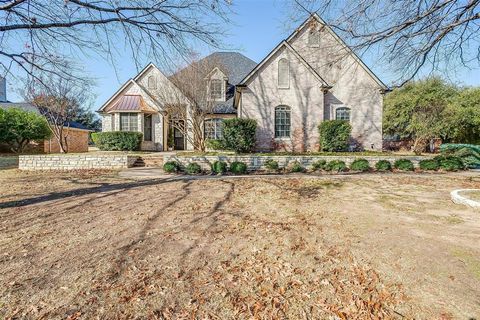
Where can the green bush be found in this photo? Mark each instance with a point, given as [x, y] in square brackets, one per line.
[193, 168]
[271, 164]
[238, 167]
[469, 153]
[171, 167]
[336, 165]
[334, 135]
[319, 165]
[403, 165]
[295, 166]
[450, 163]
[383, 165]
[219, 167]
[214, 144]
[117, 140]
[239, 135]
[18, 128]
[429, 164]
[360, 165]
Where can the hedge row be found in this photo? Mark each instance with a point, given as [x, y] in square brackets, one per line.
[117, 140]
[446, 163]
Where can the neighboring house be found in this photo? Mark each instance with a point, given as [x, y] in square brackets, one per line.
[310, 77]
[77, 134]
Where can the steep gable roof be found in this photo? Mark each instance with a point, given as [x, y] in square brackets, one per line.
[285, 44]
[316, 17]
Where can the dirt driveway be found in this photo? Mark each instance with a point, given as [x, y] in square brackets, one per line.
[93, 245]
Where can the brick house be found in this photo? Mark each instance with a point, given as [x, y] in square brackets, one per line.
[309, 77]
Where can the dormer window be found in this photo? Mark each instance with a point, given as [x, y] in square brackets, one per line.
[151, 83]
[216, 89]
[314, 38]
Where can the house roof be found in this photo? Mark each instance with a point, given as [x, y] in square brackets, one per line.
[316, 17]
[25, 106]
[129, 103]
[296, 54]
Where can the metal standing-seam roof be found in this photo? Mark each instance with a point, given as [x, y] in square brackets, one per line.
[130, 103]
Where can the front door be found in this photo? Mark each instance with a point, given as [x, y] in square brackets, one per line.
[178, 139]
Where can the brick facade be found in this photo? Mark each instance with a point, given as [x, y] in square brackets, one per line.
[77, 141]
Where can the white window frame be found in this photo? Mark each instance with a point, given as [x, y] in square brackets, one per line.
[221, 95]
[281, 85]
[286, 125]
[152, 82]
[334, 109]
[130, 115]
[217, 128]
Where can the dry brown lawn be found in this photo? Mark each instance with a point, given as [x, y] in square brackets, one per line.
[93, 245]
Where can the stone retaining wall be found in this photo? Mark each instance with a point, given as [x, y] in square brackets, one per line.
[75, 162]
[257, 162]
[8, 162]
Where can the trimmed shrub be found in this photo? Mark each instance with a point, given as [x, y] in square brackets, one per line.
[452, 147]
[429, 164]
[117, 140]
[470, 158]
[238, 167]
[336, 165]
[383, 165]
[334, 135]
[450, 163]
[295, 166]
[360, 165]
[403, 165]
[271, 164]
[319, 165]
[193, 168]
[239, 135]
[219, 167]
[171, 166]
[214, 144]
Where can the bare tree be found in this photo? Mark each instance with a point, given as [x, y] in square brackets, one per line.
[60, 101]
[39, 36]
[190, 103]
[413, 36]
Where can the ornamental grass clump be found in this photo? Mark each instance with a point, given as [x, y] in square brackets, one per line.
[193, 168]
[171, 167]
[336, 165]
[383, 165]
[360, 165]
[403, 165]
[219, 167]
[238, 167]
[319, 165]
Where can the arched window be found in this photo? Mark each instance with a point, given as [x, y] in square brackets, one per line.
[282, 122]
[314, 38]
[342, 113]
[152, 83]
[283, 73]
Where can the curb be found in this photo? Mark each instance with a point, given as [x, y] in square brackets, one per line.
[458, 199]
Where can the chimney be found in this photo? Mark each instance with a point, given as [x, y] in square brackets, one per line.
[3, 90]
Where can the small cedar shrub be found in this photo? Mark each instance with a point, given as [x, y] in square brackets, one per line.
[193, 168]
[219, 167]
[450, 163]
[403, 165]
[319, 165]
[470, 158]
[238, 167]
[117, 140]
[429, 164]
[271, 164]
[383, 165]
[214, 144]
[171, 167]
[360, 165]
[295, 166]
[334, 135]
[336, 165]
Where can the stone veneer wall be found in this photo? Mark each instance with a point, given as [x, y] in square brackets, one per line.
[75, 162]
[257, 162]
